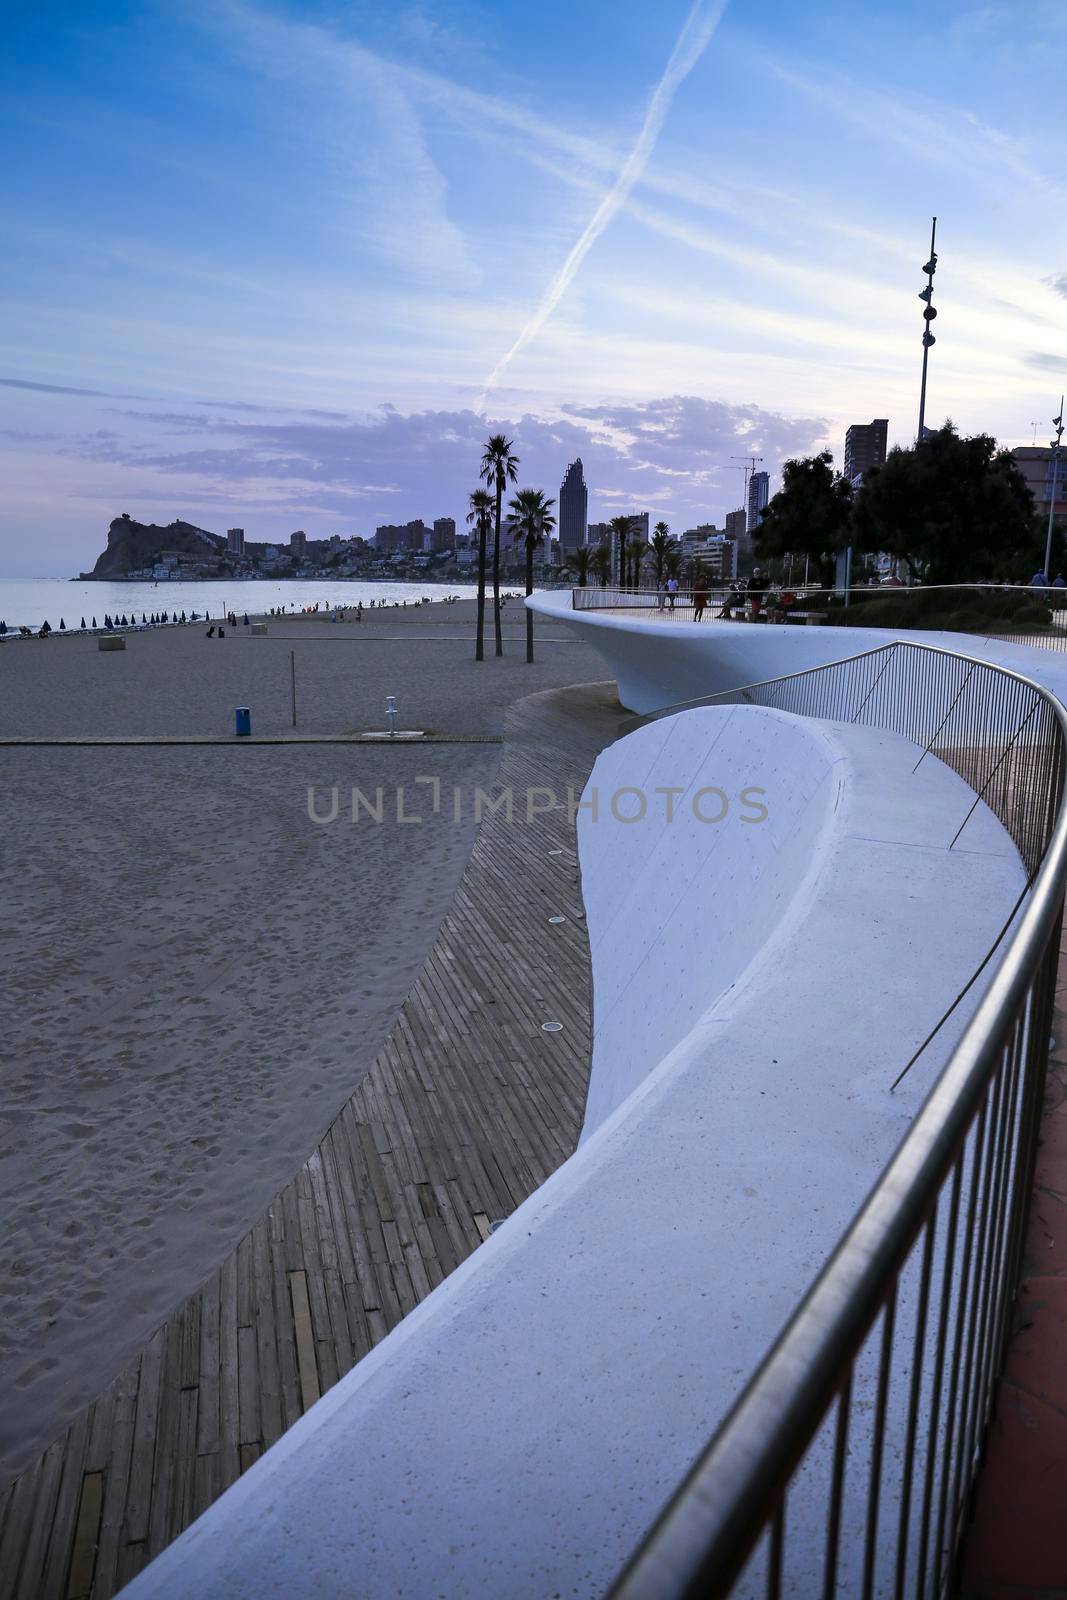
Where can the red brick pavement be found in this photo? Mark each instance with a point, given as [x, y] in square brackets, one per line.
[1016, 1548]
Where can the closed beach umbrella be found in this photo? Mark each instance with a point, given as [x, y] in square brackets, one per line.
[94, 622]
[143, 617]
[83, 622]
[62, 626]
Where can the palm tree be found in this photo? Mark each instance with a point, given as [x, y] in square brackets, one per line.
[581, 560]
[600, 564]
[481, 511]
[530, 519]
[662, 544]
[638, 552]
[622, 528]
[498, 466]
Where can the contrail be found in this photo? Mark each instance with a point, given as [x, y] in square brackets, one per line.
[691, 43]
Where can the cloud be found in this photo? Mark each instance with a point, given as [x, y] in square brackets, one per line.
[671, 454]
[58, 388]
[690, 45]
[1046, 362]
[1058, 282]
[367, 133]
[243, 406]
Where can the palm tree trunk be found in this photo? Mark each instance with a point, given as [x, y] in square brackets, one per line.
[496, 570]
[529, 613]
[479, 636]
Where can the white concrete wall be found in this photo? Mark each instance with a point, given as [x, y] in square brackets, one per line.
[658, 663]
[516, 1434]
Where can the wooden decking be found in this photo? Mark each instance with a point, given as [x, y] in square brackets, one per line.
[467, 1109]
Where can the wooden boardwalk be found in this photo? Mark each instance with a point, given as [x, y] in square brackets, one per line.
[468, 1107]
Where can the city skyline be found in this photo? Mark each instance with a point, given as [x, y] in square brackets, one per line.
[248, 277]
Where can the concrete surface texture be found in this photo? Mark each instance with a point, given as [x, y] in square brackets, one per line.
[757, 988]
[659, 664]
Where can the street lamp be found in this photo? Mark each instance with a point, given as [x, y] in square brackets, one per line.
[1056, 443]
[929, 313]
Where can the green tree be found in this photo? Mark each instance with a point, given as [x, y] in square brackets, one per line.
[622, 528]
[581, 560]
[499, 467]
[638, 552]
[481, 511]
[661, 546]
[600, 564]
[811, 515]
[531, 521]
[956, 510]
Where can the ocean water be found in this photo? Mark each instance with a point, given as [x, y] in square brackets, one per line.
[27, 602]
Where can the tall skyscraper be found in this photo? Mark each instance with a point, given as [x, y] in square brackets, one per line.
[865, 447]
[736, 526]
[573, 508]
[235, 541]
[298, 543]
[759, 490]
[444, 533]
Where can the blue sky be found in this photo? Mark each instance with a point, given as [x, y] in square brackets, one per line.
[264, 264]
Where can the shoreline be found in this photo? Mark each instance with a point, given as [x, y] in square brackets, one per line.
[199, 973]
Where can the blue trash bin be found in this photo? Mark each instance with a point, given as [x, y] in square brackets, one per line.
[243, 719]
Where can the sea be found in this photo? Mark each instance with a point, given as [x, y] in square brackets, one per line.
[27, 602]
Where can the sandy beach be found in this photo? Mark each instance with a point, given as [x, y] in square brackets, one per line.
[194, 973]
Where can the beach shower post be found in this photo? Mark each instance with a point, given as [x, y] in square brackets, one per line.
[390, 714]
[292, 683]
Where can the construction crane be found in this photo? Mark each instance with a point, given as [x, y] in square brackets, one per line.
[748, 469]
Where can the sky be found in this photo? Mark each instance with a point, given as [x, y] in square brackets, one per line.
[286, 265]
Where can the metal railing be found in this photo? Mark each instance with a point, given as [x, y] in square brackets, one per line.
[846, 1465]
[807, 603]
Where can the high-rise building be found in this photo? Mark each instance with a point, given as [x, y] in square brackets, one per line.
[759, 489]
[573, 507]
[597, 533]
[235, 541]
[865, 447]
[692, 538]
[1035, 464]
[392, 538]
[735, 524]
[298, 543]
[444, 533]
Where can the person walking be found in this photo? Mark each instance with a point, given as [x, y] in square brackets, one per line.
[700, 597]
[672, 593]
[661, 595]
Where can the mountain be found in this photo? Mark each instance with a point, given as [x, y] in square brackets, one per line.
[132, 545]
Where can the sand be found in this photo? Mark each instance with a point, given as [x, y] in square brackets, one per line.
[194, 974]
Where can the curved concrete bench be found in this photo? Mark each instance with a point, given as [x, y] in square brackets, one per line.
[757, 985]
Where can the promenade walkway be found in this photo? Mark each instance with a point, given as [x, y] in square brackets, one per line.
[468, 1107]
[1016, 1547]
